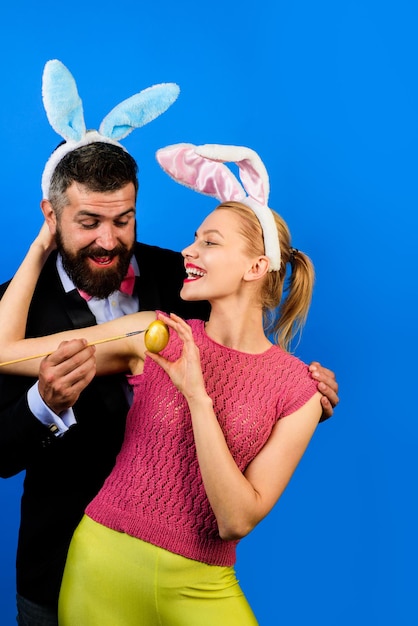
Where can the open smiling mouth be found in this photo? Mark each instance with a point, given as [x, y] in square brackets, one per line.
[194, 273]
[102, 260]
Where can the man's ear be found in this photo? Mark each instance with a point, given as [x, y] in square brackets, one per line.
[49, 215]
[258, 269]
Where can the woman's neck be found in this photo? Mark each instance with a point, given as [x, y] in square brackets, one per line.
[238, 327]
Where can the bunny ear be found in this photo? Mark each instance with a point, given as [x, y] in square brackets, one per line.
[201, 168]
[185, 166]
[65, 114]
[62, 103]
[253, 173]
[138, 110]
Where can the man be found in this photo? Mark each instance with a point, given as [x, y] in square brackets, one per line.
[67, 454]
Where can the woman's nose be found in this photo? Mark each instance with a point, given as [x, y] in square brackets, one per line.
[189, 251]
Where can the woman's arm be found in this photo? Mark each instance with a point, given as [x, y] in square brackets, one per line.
[16, 300]
[122, 355]
[238, 500]
[241, 501]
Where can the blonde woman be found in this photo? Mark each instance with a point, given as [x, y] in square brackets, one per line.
[219, 421]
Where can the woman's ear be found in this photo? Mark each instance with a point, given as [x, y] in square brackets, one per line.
[258, 269]
[49, 215]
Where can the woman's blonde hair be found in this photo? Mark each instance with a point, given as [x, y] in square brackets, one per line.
[285, 295]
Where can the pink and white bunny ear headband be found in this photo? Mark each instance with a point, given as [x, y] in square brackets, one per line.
[64, 110]
[201, 168]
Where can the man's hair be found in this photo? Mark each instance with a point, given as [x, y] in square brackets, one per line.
[99, 166]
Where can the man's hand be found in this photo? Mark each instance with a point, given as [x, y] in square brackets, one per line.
[65, 373]
[328, 386]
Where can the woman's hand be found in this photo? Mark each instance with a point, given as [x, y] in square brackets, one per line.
[45, 240]
[186, 372]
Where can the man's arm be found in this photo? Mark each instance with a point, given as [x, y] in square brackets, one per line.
[62, 377]
[328, 386]
[21, 435]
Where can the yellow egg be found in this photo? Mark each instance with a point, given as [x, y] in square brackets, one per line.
[156, 336]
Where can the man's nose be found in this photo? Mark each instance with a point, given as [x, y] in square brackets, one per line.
[106, 237]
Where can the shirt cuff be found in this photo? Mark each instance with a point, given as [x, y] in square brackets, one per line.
[57, 424]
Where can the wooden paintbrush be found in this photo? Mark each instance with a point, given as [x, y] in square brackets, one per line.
[93, 343]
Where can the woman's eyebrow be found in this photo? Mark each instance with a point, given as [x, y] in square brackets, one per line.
[211, 231]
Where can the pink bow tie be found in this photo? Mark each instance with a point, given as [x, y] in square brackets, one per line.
[126, 286]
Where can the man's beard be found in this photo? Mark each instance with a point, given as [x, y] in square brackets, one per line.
[100, 282]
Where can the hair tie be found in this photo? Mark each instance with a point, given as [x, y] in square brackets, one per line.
[293, 253]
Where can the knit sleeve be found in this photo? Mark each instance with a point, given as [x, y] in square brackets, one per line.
[300, 386]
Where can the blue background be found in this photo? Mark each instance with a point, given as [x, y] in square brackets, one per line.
[326, 92]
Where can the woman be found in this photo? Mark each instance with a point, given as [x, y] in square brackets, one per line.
[218, 423]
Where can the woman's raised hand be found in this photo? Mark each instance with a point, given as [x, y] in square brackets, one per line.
[45, 239]
[186, 372]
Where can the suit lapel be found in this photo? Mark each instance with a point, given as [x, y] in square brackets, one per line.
[54, 309]
[78, 311]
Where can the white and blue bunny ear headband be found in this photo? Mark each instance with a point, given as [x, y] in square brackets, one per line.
[201, 168]
[64, 110]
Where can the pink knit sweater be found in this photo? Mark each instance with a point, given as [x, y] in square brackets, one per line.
[155, 491]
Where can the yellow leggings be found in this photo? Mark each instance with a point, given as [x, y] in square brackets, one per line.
[112, 579]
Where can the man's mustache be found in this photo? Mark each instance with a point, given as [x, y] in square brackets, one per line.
[98, 251]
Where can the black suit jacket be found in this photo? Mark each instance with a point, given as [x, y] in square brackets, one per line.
[63, 474]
